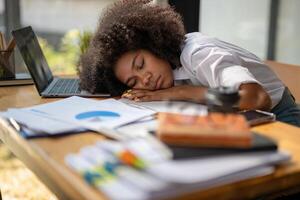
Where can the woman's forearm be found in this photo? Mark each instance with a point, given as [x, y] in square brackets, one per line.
[191, 93]
[252, 96]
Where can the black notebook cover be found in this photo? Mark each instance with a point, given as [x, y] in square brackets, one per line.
[260, 143]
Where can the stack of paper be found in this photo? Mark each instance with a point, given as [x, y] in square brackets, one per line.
[149, 124]
[138, 175]
[39, 124]
[181, 107]
[76, 114]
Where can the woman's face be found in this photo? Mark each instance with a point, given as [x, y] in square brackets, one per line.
[142, 69]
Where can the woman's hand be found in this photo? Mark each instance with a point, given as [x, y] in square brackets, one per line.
[253, 96]
[182, 92]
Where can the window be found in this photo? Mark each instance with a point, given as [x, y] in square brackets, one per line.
[240, 22]
[268, 28]
[2, 23]
[288, 40]
[57, 24]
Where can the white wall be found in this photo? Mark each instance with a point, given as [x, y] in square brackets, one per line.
[241, 22]
[288, 38]
[1, 6]
[2, 28]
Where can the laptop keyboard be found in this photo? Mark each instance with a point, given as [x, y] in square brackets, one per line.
[65, 86]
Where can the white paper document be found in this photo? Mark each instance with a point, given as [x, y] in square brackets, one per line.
[139, 128]
[102, 116]
[76, 114]
[211, 168]
[181, 107]
[40, 123]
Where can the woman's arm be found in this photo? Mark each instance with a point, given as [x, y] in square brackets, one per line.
[181, 92]
[253, 96]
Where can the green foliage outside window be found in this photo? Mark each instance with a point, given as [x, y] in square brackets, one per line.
[64, 61]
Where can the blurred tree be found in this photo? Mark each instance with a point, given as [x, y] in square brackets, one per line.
[64, 61]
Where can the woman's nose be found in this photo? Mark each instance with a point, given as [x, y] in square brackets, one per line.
[146, 79]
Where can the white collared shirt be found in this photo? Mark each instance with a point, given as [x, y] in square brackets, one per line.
[210, 62]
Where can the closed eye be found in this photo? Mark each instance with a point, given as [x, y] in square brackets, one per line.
[141, 66]
[131, 82]
[137, 65]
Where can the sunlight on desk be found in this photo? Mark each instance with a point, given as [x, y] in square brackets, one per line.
[17, 181]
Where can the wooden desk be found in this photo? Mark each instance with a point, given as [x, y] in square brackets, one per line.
[290, 76]
[45, 157]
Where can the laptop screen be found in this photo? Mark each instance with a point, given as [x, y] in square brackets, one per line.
[33, 57]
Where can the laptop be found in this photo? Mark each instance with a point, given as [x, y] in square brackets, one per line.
[46, 84]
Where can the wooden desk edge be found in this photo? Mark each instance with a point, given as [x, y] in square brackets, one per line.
[55, 176]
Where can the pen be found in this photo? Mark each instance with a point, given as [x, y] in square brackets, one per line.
[123, 154]
[11, 45]
[10, 48]
[14, 124]
[1, 42]
[24, 130]
[128, 158]
[17, 127]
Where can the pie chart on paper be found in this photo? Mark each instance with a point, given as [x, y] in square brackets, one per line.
[97, 116]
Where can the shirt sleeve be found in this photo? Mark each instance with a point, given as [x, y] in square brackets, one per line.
[220, 67]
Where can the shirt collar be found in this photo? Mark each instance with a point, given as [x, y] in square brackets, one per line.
[180, 74]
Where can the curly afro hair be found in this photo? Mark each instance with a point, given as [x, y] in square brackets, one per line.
[125, 26]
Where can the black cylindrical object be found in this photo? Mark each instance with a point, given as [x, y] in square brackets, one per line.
[222, 99]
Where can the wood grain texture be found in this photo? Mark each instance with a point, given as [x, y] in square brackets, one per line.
[290, 76]
[45, 156]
